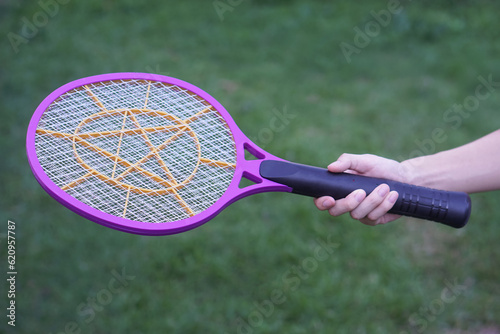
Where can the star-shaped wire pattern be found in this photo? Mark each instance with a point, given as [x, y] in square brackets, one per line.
[142, 150]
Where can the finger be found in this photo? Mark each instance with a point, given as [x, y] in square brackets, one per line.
[324, 202]
[371, 202]
[348, 204]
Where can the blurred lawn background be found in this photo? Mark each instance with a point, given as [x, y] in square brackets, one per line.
[256, 57]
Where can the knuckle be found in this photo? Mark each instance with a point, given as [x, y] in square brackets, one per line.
[334, 212]
[373, 216]
[368, 156]
[357, 215]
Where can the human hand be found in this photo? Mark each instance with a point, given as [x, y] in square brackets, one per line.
[371, 209]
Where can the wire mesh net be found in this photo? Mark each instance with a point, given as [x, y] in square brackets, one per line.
[142, 150]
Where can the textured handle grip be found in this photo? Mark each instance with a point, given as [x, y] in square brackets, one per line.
[446, 207]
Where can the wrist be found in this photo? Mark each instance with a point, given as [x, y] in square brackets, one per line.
[409, 171]
[426, 171]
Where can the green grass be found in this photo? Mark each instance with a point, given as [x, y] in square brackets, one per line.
[219, 278]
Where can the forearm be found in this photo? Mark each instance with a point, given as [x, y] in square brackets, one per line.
[474, 167]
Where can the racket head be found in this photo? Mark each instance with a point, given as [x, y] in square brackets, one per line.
[98, 102]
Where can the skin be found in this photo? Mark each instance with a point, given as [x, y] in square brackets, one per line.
[470, 168]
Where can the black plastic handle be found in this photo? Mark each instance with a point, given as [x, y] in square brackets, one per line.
[447, 207]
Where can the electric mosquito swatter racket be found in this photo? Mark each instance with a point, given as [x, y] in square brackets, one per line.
[154, 155]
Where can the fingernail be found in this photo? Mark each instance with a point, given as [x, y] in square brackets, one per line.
[327, 203]
[393, 197]
[359, 195]
[383, 191]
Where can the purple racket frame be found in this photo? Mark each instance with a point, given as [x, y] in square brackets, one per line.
[244, 168]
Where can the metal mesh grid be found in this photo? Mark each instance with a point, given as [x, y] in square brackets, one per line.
[138, 149]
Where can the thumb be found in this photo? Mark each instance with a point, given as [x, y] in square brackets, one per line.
[353, 162]
[339, 166]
